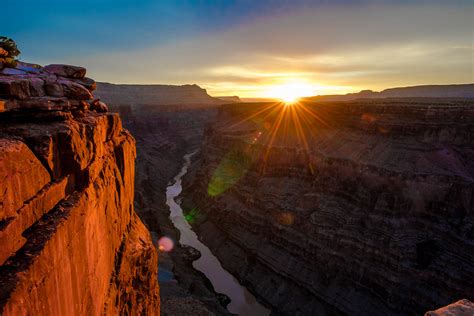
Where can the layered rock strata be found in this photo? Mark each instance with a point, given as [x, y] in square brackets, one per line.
[358, 208]
[71, 242]
[164, 134]
[459, 308]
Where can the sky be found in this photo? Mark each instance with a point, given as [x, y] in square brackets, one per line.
[251, 48]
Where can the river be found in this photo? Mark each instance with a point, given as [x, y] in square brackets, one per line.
[242, 301]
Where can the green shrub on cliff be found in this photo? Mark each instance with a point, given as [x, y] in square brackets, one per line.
[8, 51]
[10, 46]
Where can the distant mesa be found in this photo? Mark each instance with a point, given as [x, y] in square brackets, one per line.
[154, 94]
[425, 91]
[233, 99]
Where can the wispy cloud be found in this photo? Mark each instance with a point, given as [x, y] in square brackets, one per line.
[334, 48]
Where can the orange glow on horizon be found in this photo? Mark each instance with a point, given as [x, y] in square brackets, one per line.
[290, 92]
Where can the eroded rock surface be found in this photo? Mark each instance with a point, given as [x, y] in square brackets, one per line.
[358, 208]
[71, 242]
[459, 308]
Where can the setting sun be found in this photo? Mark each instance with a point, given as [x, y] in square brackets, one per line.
[290, 92]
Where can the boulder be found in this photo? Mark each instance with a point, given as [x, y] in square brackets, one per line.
[99, 106]
[14, 88]
[87, 82]
[79, 104]
[67, 71]
[53, 88]
[36, 87]
[75, 91]
[28, 67]
[12, 71]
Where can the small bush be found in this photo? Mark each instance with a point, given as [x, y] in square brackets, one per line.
[10, 46]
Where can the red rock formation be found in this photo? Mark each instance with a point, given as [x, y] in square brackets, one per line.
[71, 243]
[367, 209]
[459, 308]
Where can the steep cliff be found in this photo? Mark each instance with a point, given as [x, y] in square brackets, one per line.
[164, 134]
[359, 208]
[71, 242]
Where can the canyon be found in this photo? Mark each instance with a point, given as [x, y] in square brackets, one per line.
[164, 133]
[362, 207]
[358, 207]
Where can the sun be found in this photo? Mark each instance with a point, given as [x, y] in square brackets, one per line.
[290, 93]
[290, 98]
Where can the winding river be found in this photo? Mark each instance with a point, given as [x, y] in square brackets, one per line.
[242, 301]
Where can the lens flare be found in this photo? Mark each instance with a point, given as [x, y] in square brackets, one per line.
[232, 167]
[274, 125]
[190, 216]
[165, 244]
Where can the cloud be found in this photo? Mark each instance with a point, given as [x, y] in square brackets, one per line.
[343, 47]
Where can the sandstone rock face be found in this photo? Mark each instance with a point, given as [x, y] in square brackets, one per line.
[358, 208]
[67, 71]
[71, 242]
[459, 308]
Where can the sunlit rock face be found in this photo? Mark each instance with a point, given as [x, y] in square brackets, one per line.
[460, 308]
[71, 243]
[358, 208]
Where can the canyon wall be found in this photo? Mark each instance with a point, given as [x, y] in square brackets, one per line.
[164, 134]
[358, 208]
[71, 242]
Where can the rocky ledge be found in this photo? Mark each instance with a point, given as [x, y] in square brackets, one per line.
[71, 242]
[345, 208]
[459, 308]
[53, 87]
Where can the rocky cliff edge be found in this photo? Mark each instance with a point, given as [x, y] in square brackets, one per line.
[71, 243]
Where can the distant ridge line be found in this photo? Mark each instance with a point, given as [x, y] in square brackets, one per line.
[422, 91]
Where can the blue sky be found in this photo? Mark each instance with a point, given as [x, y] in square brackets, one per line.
[101, 25]
[249, 47]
